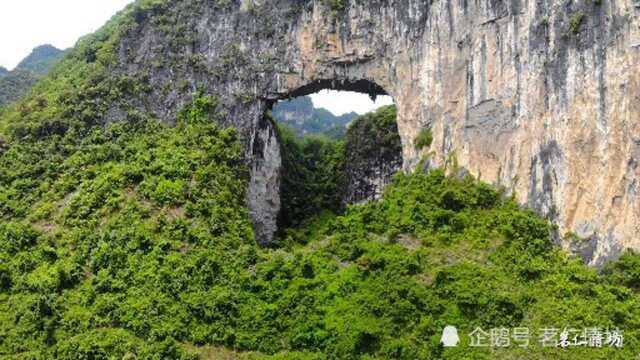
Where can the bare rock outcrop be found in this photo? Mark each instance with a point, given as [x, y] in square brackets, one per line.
[373, 154]
[540, 96]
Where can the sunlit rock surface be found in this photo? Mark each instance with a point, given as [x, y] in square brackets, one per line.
[539, 96]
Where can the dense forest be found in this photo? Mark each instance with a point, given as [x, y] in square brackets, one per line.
[15, 84]
[322, 173]
[132, 240]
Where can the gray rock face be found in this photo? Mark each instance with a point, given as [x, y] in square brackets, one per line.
[264, 187]
[373, 153]
[295, 112]
[539, 96]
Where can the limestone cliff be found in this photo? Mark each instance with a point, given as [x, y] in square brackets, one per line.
[373, 154]
[541, 96]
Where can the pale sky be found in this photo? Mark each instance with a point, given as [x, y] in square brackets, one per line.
[341, 102]
[25, 24]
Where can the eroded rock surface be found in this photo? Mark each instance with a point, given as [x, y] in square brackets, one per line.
[539, 96]
[373, 154]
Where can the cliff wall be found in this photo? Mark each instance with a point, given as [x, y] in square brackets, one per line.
[540, 96]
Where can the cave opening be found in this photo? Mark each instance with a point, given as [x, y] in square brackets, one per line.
[339, 145]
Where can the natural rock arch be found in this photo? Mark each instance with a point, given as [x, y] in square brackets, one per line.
[519, 91]
[267, 171]
[264, 197]
[311, 51]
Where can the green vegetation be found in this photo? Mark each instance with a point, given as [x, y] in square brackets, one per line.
[135, 242]
[76, 94]
[337, 5]
[41, 60]
[132, 240]
[576, 22]
[424, 139]
[313, 176]
[100, 236]
[15, 84]
[317, 169]
[375, 130]
[373, 150]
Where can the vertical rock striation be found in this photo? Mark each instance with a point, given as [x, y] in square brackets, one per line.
[541, 96]
[373, 153]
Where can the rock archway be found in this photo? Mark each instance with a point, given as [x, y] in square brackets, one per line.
[538, 96]
[266, 172]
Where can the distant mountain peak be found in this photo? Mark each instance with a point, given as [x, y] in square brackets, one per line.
[46, 47]
[301, 115]
[41, 59]
[14, 84]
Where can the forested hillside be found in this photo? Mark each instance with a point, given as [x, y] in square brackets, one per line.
[321, 173]
[134, 240]
[131, 240]
[41, 59]
[16, 83]
[300, 115]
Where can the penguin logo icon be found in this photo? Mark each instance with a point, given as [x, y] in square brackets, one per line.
[450, 337]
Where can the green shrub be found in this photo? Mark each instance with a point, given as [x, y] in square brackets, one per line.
[424, 139]
[133, 240]
[576, 22]
[313, 176]
[337, 5]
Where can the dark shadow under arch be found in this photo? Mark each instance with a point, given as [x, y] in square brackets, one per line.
[363, 86]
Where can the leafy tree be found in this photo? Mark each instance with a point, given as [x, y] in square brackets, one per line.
[132, 240]
[313, 176]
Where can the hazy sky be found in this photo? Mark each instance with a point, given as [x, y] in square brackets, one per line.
[25, 24]
[340, 102]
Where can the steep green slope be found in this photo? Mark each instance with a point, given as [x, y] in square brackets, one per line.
[76, 94]
[135, 240]
[132, 240]
[94, 230]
